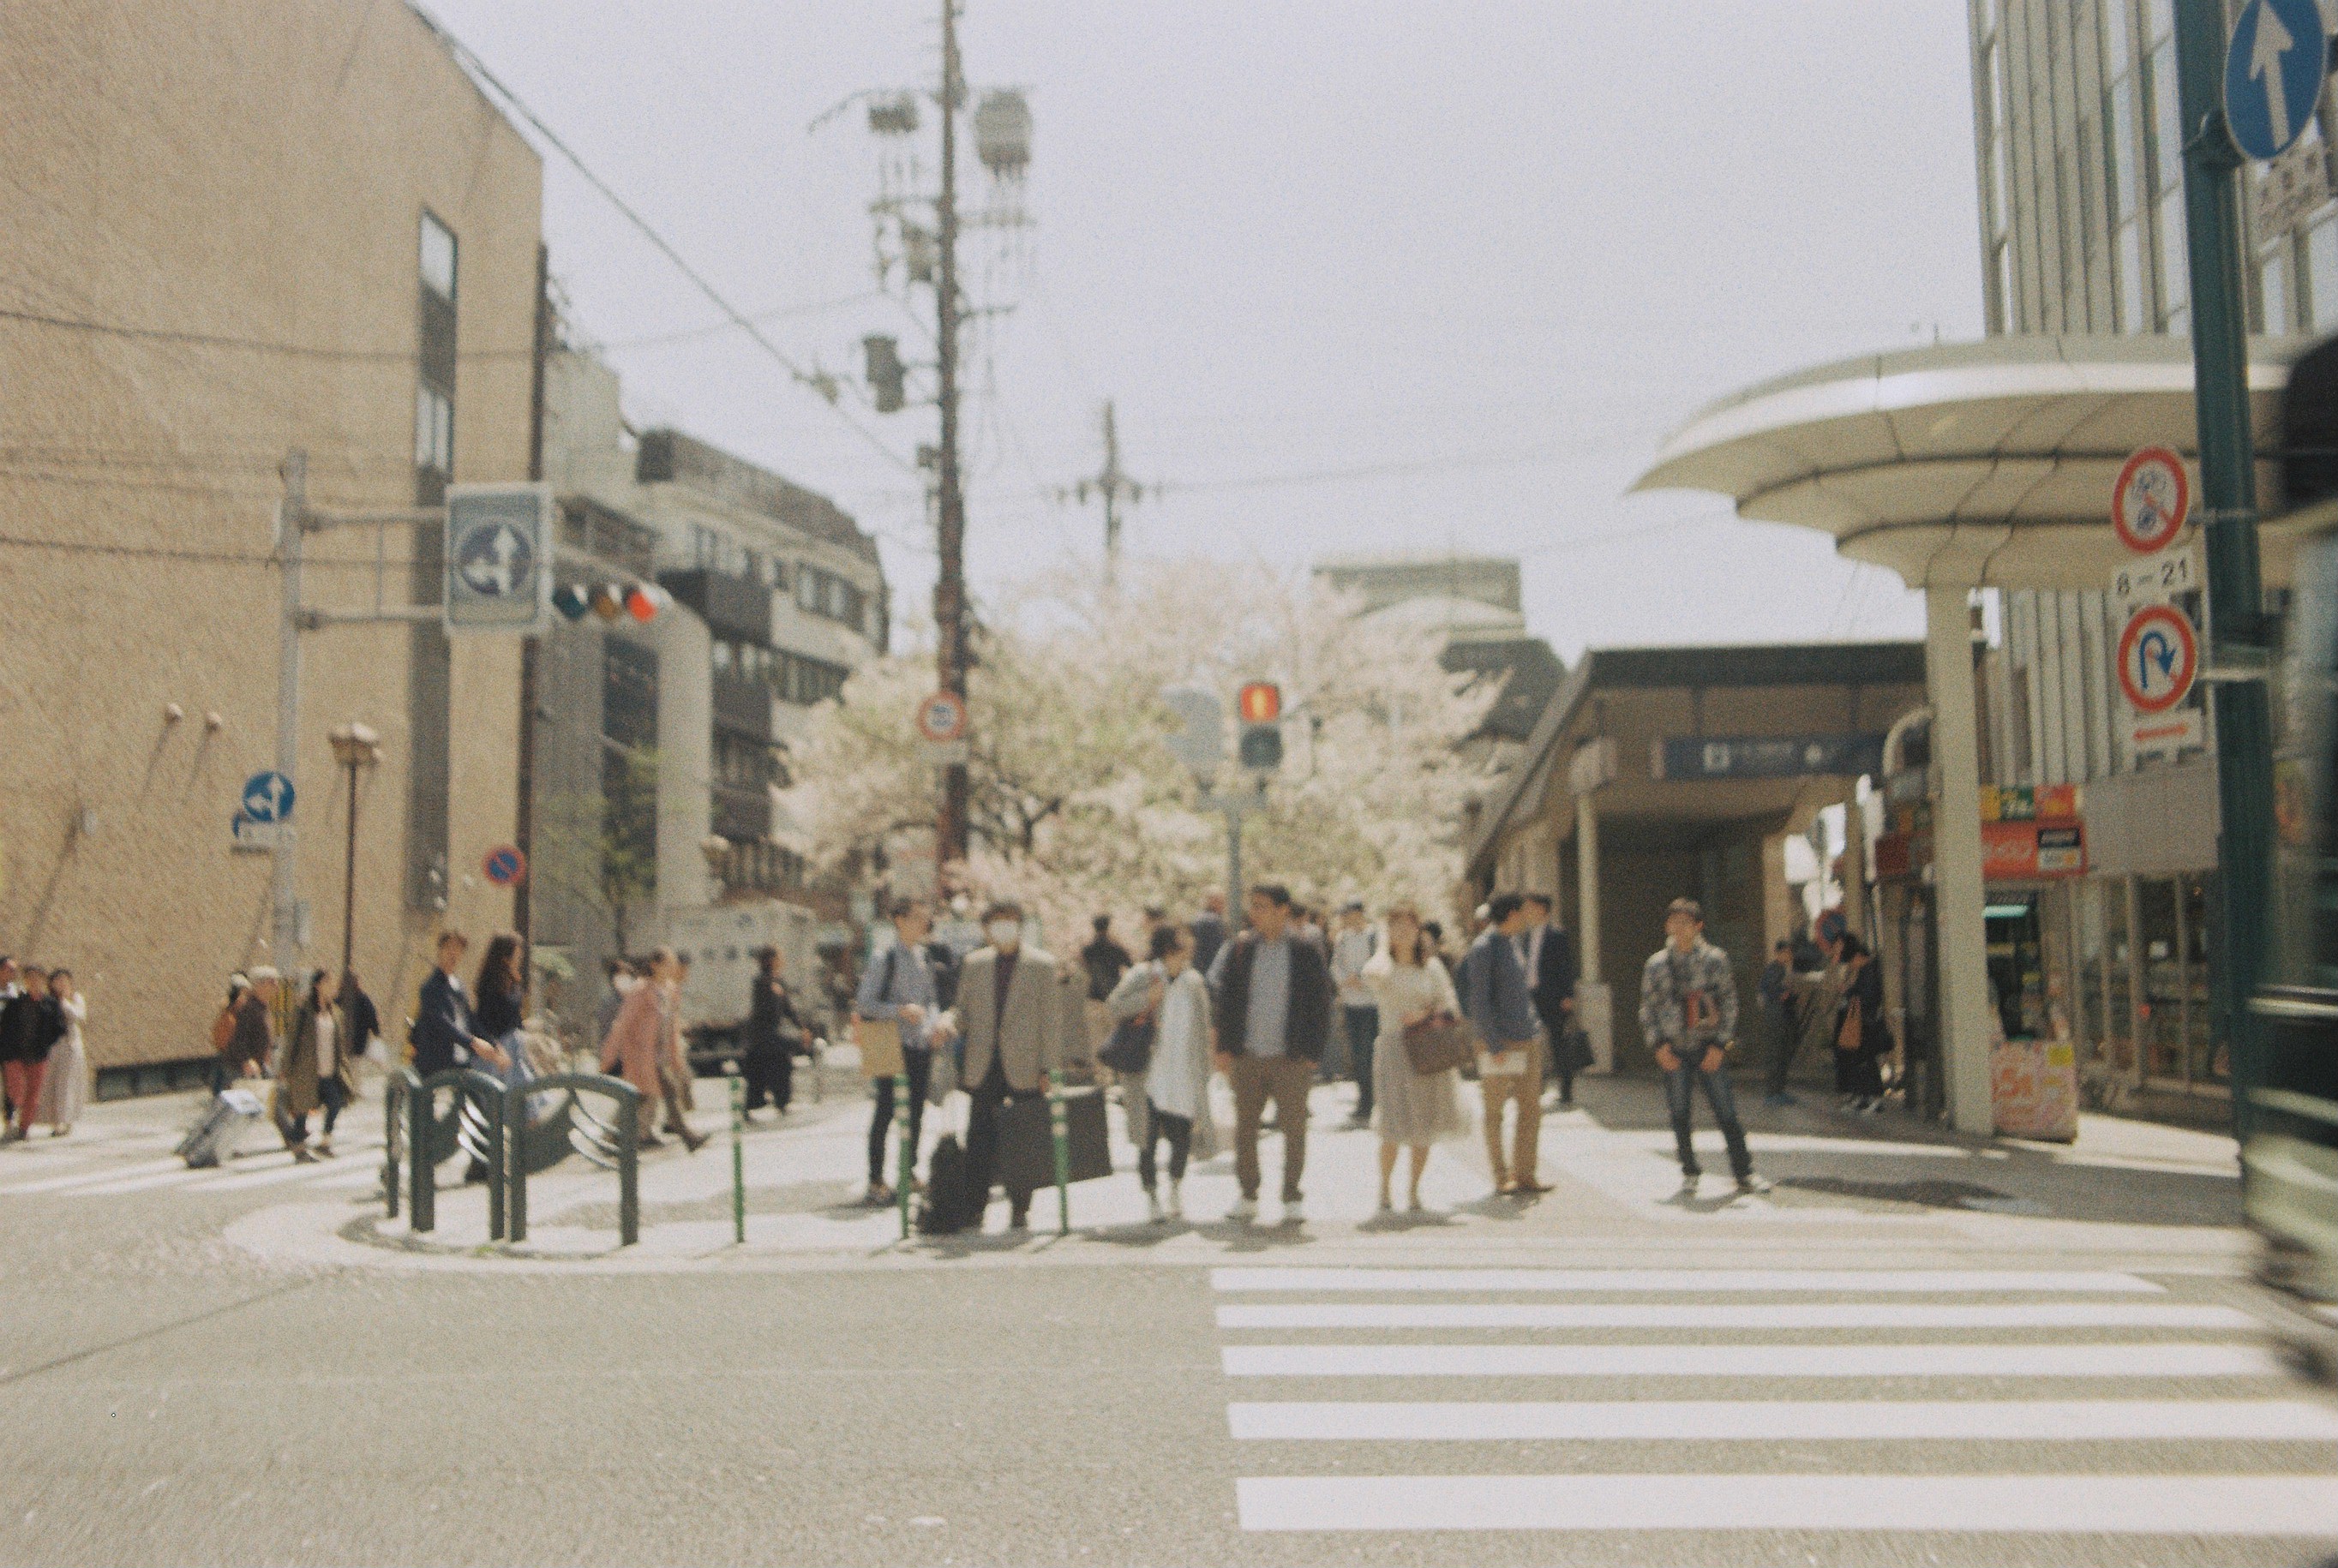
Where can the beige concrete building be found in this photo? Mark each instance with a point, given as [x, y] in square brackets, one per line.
[227, 232]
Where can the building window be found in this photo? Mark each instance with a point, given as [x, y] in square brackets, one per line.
[2175, 262]
[2273, 289]
[437, 258]
[434, 431]
[2321, 273]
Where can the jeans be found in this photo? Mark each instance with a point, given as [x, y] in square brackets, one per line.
[918, 1066]
[1679, 1087]
[1178, 1131]
[1363, 1030]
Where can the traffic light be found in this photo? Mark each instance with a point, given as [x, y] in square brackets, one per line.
[885, 373]
[1260, 704]
[641, 601]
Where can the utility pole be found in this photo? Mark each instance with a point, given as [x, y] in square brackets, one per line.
[531, 648]
[1113, 488]
[949, 584]
[284, 925]
[2237, 660]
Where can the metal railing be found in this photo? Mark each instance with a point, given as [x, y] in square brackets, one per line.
[515, 1132]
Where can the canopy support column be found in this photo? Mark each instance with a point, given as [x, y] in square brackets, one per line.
[1956, 891]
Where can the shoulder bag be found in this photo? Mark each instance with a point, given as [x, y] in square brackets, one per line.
[1439, 1042]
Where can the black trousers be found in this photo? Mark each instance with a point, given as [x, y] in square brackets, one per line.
[770, 1071]
[1779, 1024]
[991, 1096]
[920, 1064]
[1179, 1132]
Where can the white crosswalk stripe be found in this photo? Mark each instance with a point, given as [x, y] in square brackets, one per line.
[2003, 1385]
[357, 1165]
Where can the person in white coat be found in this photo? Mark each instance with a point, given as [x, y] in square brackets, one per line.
[65, 1090]
[1170, 991]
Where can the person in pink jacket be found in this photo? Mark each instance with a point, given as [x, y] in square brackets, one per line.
[637, 1048]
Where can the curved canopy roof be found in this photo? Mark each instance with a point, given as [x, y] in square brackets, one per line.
[1987, 463]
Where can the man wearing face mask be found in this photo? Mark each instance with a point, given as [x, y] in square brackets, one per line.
[1012, 1018]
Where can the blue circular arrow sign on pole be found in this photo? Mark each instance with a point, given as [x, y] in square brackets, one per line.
[268, 797]
[2272, 75]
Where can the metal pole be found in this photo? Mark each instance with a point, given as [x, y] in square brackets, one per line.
[2236, 629]
[949, 584]
[1233, 807]
[738, 1158]
[909, 1160]
[422, 1176]
[349, 881]
[1060, 1133]
[284, 916]
[629, 1168]
[515, 1156]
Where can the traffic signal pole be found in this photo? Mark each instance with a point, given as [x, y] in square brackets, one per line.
[2238, 660]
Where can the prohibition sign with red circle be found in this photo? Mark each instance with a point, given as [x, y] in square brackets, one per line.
[941, 718]
[2151, 500]
[2157, 657]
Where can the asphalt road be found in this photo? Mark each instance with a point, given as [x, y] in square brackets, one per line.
[2069, 1378]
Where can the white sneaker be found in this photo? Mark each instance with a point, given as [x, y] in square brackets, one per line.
[1176, 1202]
[1688, 1186]
[1294, 1210]
[1152, 1207]
[1754, 1183]
[1244, 1210]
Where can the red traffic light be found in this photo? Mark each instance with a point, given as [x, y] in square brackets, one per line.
[1260, 702]
[640, 604]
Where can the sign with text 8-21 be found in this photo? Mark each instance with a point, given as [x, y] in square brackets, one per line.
[499, 558]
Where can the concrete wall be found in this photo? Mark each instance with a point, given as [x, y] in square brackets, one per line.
[255, 172]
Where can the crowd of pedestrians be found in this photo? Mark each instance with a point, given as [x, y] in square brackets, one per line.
[1268, 1008]
[44, 1064]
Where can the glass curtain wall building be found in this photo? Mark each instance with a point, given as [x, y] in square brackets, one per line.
[2078, 155]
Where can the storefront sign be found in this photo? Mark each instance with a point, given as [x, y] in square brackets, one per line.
[2029, 851]
[1694, 756]
[2028, 803]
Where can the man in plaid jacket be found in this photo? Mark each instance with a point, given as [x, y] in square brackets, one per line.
[1688, 1015]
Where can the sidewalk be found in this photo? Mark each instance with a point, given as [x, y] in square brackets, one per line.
[2130, 1192]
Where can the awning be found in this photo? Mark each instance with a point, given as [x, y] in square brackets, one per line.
[1987, 463]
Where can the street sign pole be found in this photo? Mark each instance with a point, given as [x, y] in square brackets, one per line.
[2228, 492]
[284, 925]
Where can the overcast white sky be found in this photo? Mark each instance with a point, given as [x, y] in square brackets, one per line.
[1487, 253]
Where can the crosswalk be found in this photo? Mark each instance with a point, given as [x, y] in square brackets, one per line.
[1849, 1405]
[97, 1167]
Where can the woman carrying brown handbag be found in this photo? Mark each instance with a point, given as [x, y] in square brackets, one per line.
[1412, 1109]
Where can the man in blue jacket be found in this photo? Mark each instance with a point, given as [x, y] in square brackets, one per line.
[1500, 1007]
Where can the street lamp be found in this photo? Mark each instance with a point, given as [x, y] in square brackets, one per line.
[355, 747]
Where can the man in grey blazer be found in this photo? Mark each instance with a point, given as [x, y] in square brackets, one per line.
[1010, 1005]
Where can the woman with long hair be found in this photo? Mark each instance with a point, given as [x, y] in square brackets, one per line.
[775, 1033]
[305, 1063]
[1414, 1110]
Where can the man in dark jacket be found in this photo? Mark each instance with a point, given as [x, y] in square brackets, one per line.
[1272, 1003]
[1548, 953]
[442, 1035]
[1209, 931]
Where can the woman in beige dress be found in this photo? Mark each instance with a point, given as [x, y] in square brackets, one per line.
[1414, 1109]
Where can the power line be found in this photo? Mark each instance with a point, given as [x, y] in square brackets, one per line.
[248, 345]
[819, 384]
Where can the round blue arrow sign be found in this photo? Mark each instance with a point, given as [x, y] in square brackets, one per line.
[2272, 75]
[496, 561]
[268, 797]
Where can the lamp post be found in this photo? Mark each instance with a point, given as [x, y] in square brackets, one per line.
[355, 747]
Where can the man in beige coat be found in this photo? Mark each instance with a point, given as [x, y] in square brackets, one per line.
[1010, 1008]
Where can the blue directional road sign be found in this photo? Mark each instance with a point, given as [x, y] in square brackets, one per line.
[498, 577]
[2272, 75]
[268, 797]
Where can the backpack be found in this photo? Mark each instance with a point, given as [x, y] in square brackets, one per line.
[943, 1210]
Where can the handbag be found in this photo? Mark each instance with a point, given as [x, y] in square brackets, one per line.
[1439, 1042]
[1130, 1049]
[1575, 1053]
